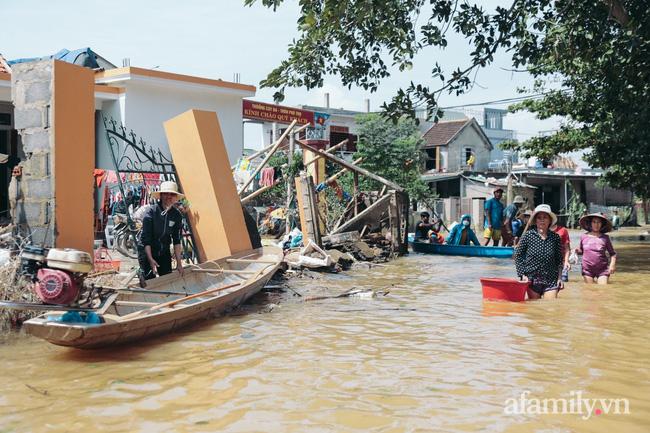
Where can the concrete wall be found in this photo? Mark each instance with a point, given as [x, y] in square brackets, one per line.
[606, 196]
[52, 202]
[145, 106]
[31, 195]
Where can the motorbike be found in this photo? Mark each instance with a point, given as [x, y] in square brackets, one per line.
[126, 235]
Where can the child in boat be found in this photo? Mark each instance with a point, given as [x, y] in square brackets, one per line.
[462, 233]
[595, 246]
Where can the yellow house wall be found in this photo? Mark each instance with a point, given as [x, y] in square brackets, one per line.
[201, 160]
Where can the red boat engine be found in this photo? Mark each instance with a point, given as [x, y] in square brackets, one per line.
[56, 287]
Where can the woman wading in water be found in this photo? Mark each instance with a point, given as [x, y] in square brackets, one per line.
[538, 257]
[595, 246]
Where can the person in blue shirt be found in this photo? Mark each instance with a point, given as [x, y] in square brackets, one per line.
[518, 225]
[509, 213]
[493, 218]
[462, 233]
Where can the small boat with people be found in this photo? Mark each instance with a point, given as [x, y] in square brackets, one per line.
[461, 250]
[166, 304]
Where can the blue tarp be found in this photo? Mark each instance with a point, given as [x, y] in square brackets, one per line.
[82, 57]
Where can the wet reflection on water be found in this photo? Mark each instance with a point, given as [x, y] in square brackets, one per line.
[430, 356]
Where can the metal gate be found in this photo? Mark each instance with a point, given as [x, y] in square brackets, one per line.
[131, 154]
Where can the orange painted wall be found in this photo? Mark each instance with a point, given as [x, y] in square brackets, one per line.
[200, 157]
[74, 155]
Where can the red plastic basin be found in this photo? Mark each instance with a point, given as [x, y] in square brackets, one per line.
[504, 289]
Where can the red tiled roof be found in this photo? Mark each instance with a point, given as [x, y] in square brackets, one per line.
[4, 67]
[442, 132]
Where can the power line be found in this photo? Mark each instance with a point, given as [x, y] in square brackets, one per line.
[501, 101]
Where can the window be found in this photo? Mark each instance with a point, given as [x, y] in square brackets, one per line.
[468, 154]
[431, 159]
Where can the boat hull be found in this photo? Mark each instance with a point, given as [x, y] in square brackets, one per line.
[142, 326]
[462, 250]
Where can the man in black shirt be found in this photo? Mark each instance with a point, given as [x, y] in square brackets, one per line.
[161, 227]
[423, 227]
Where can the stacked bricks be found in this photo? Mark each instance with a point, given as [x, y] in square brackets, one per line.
[32, 195]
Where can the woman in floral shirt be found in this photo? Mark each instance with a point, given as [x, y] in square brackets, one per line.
[538, 257]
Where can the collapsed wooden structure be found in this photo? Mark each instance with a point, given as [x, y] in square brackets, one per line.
[387, 211]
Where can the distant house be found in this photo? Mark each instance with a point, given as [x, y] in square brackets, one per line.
[451, 144]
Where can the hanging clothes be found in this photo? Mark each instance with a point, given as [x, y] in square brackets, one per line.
[267, 176]
[99, 174]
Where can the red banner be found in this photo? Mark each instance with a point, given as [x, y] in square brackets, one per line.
[276, 113]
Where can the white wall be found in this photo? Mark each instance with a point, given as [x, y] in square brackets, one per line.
[148, 106]
[144, 107]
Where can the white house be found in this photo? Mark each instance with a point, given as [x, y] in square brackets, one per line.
[142, 99]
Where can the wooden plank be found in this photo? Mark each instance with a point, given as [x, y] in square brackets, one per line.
[251, 261]
[352, 167]
[307, 208]
[382, 202]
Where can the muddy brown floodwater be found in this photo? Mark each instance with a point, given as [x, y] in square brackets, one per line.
[429, 357]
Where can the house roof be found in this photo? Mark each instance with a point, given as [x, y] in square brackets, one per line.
[156, 76]
[444, 132]
[4, 67]
[82, 57]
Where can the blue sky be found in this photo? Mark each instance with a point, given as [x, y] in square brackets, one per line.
[217, 38]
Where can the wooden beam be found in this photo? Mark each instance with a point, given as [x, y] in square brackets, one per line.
[352, 167]
[330, 150]
[269, 147]
[259, 191]
[335, 176]
[268, 157]
[307, 208]
[383, 201]
[355, 184]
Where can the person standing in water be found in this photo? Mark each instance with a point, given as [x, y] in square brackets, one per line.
[595, 246]
[538, 257]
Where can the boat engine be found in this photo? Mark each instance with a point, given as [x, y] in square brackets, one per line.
[58, 275]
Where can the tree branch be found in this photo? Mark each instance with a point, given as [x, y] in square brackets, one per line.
[618, 12]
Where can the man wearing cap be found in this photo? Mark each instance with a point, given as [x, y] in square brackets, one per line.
[493, 218]
[509, 214]
[161, 227]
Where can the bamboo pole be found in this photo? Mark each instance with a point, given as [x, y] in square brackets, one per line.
[269, 147]
[352, 167]
[330, 150]
[259, 191]
[356, 193]
[268, 156]
[338, 174]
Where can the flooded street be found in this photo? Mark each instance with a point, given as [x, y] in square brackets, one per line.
[429, 356]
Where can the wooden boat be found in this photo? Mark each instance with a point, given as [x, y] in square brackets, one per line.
[174, 301]
[461, 250]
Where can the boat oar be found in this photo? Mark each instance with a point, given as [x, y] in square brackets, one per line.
[176, 301]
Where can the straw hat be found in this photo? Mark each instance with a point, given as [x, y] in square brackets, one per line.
[518, 199]
[167, 187]
[585, 222]
[544, 208]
